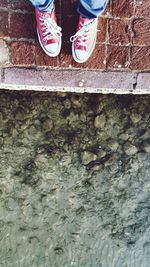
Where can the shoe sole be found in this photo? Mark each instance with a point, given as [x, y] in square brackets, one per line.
[82, 61]
[48, 53]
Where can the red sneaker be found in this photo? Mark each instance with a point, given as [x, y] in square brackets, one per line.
[49, 33]
[83, 42]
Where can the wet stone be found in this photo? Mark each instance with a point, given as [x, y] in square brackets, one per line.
[87, 157]
[135, 118]
[130, 149]
[124, 137]
[102, 153]
[67, 104]
[100, 121]
[142, 156]
[19, 114]
[147, 147]
[113, 145]
[47, 125]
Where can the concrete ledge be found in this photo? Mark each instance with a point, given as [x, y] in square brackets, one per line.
[75, 81]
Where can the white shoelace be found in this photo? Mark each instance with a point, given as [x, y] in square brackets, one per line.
[49, 28]
[82, 34]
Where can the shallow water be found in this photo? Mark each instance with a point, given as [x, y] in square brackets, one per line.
[74, 180]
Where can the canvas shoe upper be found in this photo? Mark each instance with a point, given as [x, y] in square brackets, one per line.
[49, 33]
[83, 42]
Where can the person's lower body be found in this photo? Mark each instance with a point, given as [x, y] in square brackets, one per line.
[83, 42]
[43, 5]
[86, 8]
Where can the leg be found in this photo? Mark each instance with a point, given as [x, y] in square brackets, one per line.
[91, 8]
[43, 5]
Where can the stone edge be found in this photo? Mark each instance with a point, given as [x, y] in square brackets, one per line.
[79, 81]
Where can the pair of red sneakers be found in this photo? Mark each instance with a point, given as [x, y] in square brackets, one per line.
[50, 36]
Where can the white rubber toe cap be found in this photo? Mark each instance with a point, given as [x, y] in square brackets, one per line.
[52, 48]
[81, 55]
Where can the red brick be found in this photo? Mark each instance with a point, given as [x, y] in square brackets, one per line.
[102, 26]
[58, 7]
[66, 59]
[3, 24]
[69, 25]
[122, 8]
[4, 53]
[140, 58]
[118, 57]
[23, 53]
[44, 60]
[108, 10]
[96, 61]
[141, 29]
[120, 32]
[22, 25]
[69, 7]
[21, 4]
[3, 3]
[142, 8]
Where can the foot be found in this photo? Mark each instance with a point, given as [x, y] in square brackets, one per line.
[49, 33]
[83, 42]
